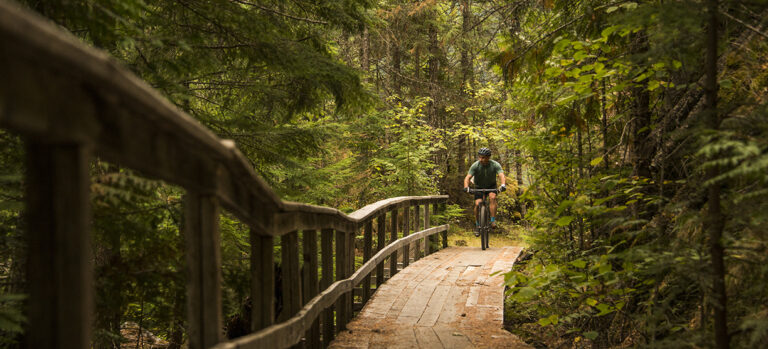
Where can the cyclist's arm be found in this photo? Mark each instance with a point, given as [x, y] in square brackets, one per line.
[466, 180]
[502, 178]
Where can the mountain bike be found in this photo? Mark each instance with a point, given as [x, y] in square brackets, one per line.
[484, 215]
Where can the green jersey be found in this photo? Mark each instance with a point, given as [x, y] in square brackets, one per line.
[485, 176]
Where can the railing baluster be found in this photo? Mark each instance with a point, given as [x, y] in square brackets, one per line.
[262, 281]
[442, 211]
[367, 253]
[382, 223]
[60, 270]
[289, 251]
[406, 231]
[342, 261]
[350, 301]
[310, 282]
[428, 248]
[201, 232]
[416, 229]
[392, 239]
[326, 249]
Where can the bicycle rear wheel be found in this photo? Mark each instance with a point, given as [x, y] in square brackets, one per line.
[484, 222]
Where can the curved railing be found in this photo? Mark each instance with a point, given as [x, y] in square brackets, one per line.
[71, 102]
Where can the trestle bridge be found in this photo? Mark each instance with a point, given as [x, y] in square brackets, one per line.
[72, 103]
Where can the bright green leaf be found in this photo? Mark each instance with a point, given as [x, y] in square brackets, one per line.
[579, 263]
[565, 220]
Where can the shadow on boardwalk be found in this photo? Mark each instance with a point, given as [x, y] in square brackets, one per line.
[446, 300]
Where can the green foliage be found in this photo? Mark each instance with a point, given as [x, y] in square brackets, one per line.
[453, 214]
[11, 317]
[619, 250]
[403, 168]
[620, 259]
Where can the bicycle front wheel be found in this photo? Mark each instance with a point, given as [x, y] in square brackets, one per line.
[484, 222]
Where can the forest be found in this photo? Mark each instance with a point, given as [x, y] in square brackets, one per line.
[633, 135]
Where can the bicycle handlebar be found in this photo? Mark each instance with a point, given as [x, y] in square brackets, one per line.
[472, 191]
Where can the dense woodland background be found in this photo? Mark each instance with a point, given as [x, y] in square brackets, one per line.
[643, 201]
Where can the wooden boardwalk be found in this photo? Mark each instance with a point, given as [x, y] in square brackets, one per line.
[445, 300]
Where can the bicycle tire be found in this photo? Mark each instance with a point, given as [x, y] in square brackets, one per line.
[483, 212]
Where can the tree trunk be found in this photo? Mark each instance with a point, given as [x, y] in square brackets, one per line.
[365, 60]
[641, 148]
[605, 127]
[715, 221]
[396, 57]
[434, 69]
[466, 78]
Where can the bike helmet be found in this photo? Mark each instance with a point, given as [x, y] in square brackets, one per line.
[484, 152]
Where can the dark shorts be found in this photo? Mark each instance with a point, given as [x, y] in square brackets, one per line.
[479, 196]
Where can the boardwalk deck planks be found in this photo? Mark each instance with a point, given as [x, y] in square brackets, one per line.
[448, 299]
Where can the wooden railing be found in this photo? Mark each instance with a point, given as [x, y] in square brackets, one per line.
[70, 103]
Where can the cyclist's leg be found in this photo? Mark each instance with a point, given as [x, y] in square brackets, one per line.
[492, 205]
[477, 221]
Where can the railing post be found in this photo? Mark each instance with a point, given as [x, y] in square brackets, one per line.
[428, 241]
[350, 270]
[444, 233]
[289, 264]
[201, 232]
[392, 239]
[367, 254]
[60, 271]
[342, 261]
[406, 232]
[262, 281]
[310, 282]
[326, 249]
[382, 224]
[416, 229]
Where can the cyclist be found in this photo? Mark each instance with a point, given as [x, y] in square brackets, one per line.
[484, 171]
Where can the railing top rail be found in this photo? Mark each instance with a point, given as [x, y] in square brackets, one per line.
[57, 89]
[365, 213]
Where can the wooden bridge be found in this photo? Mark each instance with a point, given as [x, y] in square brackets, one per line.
[71, 103]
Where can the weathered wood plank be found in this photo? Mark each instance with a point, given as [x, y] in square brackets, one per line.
[444, 235]
[326, 246]
[60, 272]
[381, 236]
[350, 300]
[367, 253]
[201, 233]
[427, 338]
[342, 261]
[291, 275]
[416, 225]
[452, 338]
[262, 281]
[393, 238]
[310, 282]
[428, 242]
[406, 232]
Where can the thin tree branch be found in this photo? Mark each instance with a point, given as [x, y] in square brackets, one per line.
[756, 30]
[553, 32]
[267, 9]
